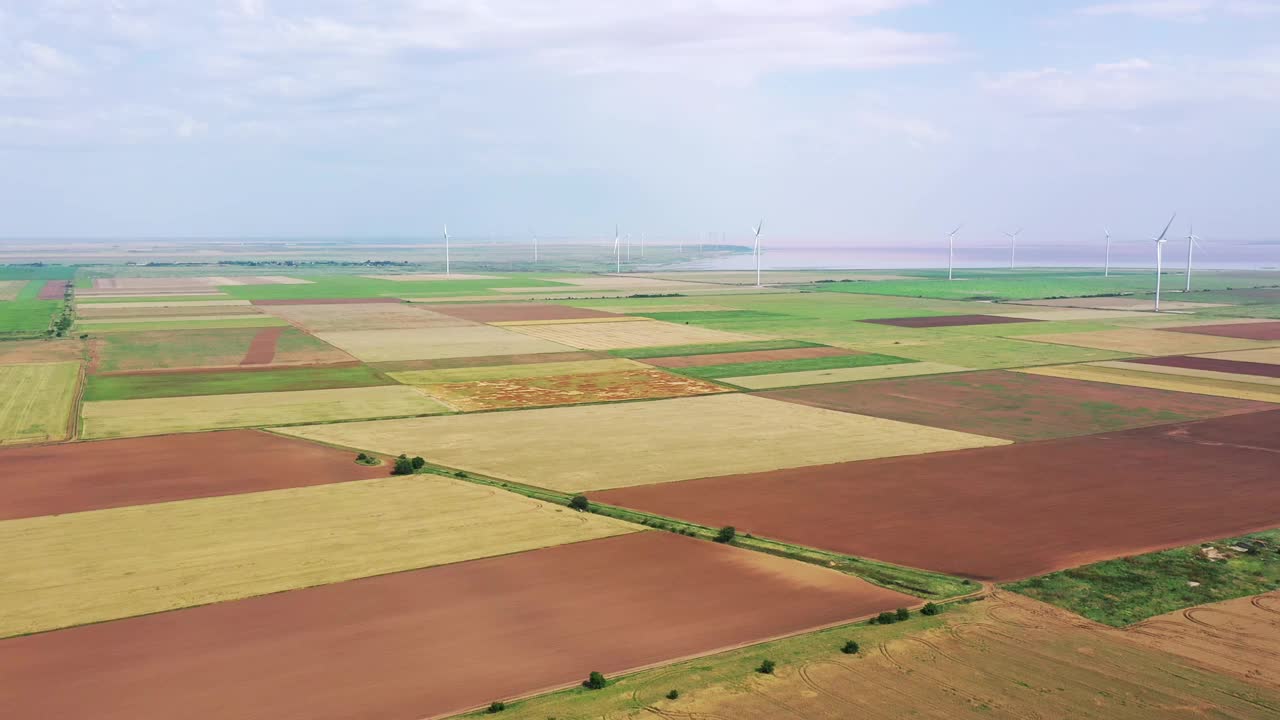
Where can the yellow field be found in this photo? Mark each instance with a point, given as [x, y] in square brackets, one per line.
[437, 343]
[1271, 356]
[1147, 342]
[1161, 381]
[90, 308]
[419, 277]
[362, 316]
[1193, 372]
[36, 401]
[1123, 303]
[87, 567]
[9, 289]
[507, 372]
[163, 318]
[1065, 314]
[607, 446]
[158, 416]
[818, 377]
[641, 333]
[690, 307]
[563, 321]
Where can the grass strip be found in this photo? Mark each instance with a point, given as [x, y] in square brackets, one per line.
[1127, 590]
[161, 385]
[771, 367]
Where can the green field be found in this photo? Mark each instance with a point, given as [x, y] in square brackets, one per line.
[709, 348]
[351, 286]
[36, 401]
[1128, 590]
[249, 321]
[158, 349]
[989, 353]
[159, 385]
[709, 372]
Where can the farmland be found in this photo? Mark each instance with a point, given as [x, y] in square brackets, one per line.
[183, 384]
[36, 401]
[442, 342]
[165, 349]
[611, 336]
[156, 416]
[546, 390]
[766, 435]
[93, 566]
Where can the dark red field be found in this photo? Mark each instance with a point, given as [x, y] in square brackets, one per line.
[1015, 406]
[56, 479]
[1244, 331]
[1008, 512]
[749, 356]
[508, 312]
[948, 321]
[53, 290]
[1238, 367]
[327, 301]
[262, 349]
[429, 642]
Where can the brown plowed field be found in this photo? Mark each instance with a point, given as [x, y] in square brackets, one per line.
[56, 479]
[262, 349]
[429, 642]
[21, 352]
[1016, 406]
[1009, 512]
[508, 312]
[949, 321]
[1245, 331]
[1237, 367]
[53, 290]
[748, 357]
[327, 301]
[488, 361]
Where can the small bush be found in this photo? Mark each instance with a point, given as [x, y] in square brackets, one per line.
[850, 647]
[580, 502]
[673, 694]
[726, 534]
[497, 706]
[886, 618]
[362, 457]
[404, 466]
[766, 667]
[595, 681]
[418, 463]
[459, 473]
[902, 614]
[930, 609]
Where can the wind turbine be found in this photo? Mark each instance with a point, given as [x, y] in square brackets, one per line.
[1106, 272]
[641, 246]
[535, 248]
[951, 249]
[1192, 242]
[1013, 246]
[1160, 241]
[446, 250]
[617, 248]
[756, 230]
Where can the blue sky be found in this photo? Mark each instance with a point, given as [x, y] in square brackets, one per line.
[844, 121]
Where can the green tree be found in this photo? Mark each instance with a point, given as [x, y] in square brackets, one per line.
[902, 614]
[726, 534]
[595, 681]
[673, 694]
[497, 706]
[580, 502]
[404, 466]
[886, 618]
[766, 667]
[930, 609]
[850, 647]
[418, 463]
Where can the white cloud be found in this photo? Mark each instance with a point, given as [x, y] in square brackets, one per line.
[1184, 10]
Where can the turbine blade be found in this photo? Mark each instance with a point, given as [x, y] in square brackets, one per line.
[1166, 227]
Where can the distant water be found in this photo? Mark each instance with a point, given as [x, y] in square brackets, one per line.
[1258, 256]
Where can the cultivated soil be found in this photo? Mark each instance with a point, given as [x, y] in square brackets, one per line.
[17, 352]
[748, 357]
[509, 312]
[262, 349]
[568, 389]
[949, 321]
[1016, 406]
[488, 361]
[332, 317]
[429, 642]
[57, 479]
[1009, 512]
[53, 290]
[1235, 367]
[1247, 331]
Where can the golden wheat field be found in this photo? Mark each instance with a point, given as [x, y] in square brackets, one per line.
[437, 343]
[1244, 389]
[1146, 342]
[36, 401]
[640, 333]
[834, 375]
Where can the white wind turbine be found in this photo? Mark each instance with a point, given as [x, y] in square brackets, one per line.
[756, 230]
[1193, 241]
[1160, 241]
[617, 248]
[951, 249]
[446, 250]
[1013, 246]
[1106, 271]
[535, 248]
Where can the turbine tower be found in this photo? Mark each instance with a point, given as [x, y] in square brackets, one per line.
[951, 249]
[1192, 242]
[535, 248]
[756, 230]
[1106, 271]
[617, 248]
[446, 250]
[1013, 246]
[1160, 241]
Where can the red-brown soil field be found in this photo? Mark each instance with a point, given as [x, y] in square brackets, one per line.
[327, 301]
[429, 642]
[1244, 331]
[511, 312]
[487, 361]
[1016, 406]
[262, 349]
[56, 479]
[750, 356]
[53, 290]
[1239, 367]
[1008, 512]
[948, 321]
[16, 352]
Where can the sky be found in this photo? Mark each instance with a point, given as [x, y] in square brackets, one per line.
[834, 121]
